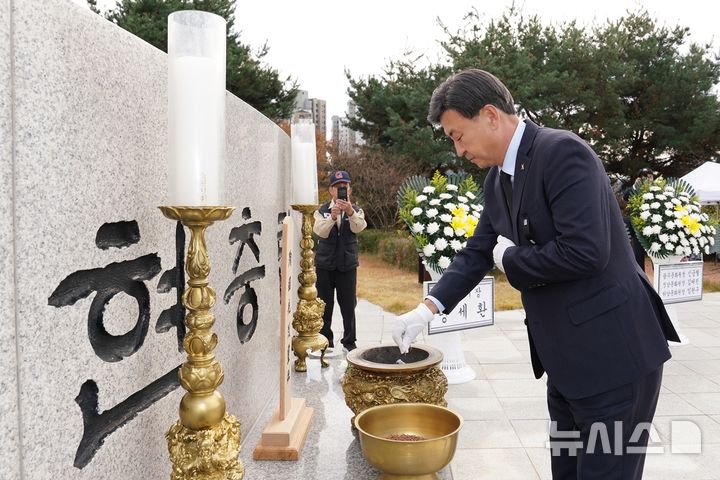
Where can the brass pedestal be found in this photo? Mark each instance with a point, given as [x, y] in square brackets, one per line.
[205, 443]
[308, 317]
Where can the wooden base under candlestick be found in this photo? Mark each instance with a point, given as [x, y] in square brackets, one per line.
[205, 443]
[308, 317]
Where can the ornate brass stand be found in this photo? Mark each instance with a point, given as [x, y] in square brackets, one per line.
[308, 317]
[205, 443]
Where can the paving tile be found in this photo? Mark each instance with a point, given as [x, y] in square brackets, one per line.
[672, 404]
[519, 388]
[707, 403]
[484, 408]
[492, 464]
[495, 371]
[532, 433]
[691, 383]
[488, 434]
[540, 458]
[472, 389]
[525, 408]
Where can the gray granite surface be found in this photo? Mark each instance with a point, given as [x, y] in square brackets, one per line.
[10, 458]
[89, 138]
[332, 449]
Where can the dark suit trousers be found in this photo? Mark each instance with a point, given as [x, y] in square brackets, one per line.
[344, 283]
[599, 431]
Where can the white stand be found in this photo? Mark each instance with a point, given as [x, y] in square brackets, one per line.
[669, 308]
[453, 364]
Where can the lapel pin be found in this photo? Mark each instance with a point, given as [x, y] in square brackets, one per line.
[522, 166]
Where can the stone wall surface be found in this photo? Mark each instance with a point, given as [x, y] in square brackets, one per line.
[9, 413]
[83, 145]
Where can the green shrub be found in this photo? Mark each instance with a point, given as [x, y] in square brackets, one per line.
[369, 240]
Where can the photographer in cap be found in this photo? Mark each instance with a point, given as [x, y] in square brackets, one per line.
[337, 223]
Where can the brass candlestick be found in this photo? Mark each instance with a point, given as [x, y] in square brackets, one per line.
[205, 442]
[308, 317]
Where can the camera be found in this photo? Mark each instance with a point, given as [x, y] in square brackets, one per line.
[342, 193]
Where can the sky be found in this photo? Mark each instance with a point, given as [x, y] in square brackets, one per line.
[315, 41]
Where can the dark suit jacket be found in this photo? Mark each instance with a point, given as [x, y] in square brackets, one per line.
[594, 321]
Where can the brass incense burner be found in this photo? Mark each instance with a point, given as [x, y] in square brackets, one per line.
[431, 432]
[380, 375]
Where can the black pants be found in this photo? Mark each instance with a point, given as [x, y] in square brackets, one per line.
[607, 432]
[328, 282]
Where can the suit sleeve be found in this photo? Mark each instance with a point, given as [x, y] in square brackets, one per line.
[576, 192]
[468, 267]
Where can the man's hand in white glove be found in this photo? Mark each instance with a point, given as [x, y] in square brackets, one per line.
[409, 325]
[499, 250]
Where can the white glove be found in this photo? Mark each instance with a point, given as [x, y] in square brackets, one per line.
[409, 325]
[499, 250]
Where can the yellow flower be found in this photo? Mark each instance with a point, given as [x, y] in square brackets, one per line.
[691, 223]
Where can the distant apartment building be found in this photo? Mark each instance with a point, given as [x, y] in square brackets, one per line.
[347, 140]
[312, 108]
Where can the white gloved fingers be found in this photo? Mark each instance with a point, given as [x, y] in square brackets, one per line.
[499, 251]
[409, 325]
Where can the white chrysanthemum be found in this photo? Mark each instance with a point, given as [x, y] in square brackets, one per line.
[475, 206]
[452, 188]
[654, 188]
[428, 250]
[673, 238]
[681, 233]
[443, 262]
[656, 218]
[669, 213]
[450, 206]
[434, 202]
[470, 195]
[455, 245]
[417, 227]
[711, 240]
[669, 205]
[421, 198]
[655, 205]
[476, 214]
[446, 217]
[644, 206]
[645, 215]
[647, 231]
[462, 199]
[670, 225]
[675, 201]
[460, 232]
[670, 247]
[702, 241]
[688, 250]
[679, 250]
[693, 241]
[655, 247]
[464, 207]
[648, 196]
[440, 244]
[684, 242]
[664, 237]
[432, 228]
[416, 211]
[448, 231]
[432, 212]
[661, 197]
[656, 229]
[678, 223]
[445, 196]
[429, 189]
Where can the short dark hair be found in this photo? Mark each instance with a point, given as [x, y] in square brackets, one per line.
[643, 172]
[467, 92]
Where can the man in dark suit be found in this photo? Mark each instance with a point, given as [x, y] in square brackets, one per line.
[552, 224]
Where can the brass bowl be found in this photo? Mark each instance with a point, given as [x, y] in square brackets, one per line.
[408, 459]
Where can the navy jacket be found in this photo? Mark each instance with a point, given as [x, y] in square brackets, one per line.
[594, 321]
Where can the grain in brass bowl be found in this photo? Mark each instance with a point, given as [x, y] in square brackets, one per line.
[408, 440]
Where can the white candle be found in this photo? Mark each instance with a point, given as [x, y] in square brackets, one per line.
[196, 108]
[304, 164]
